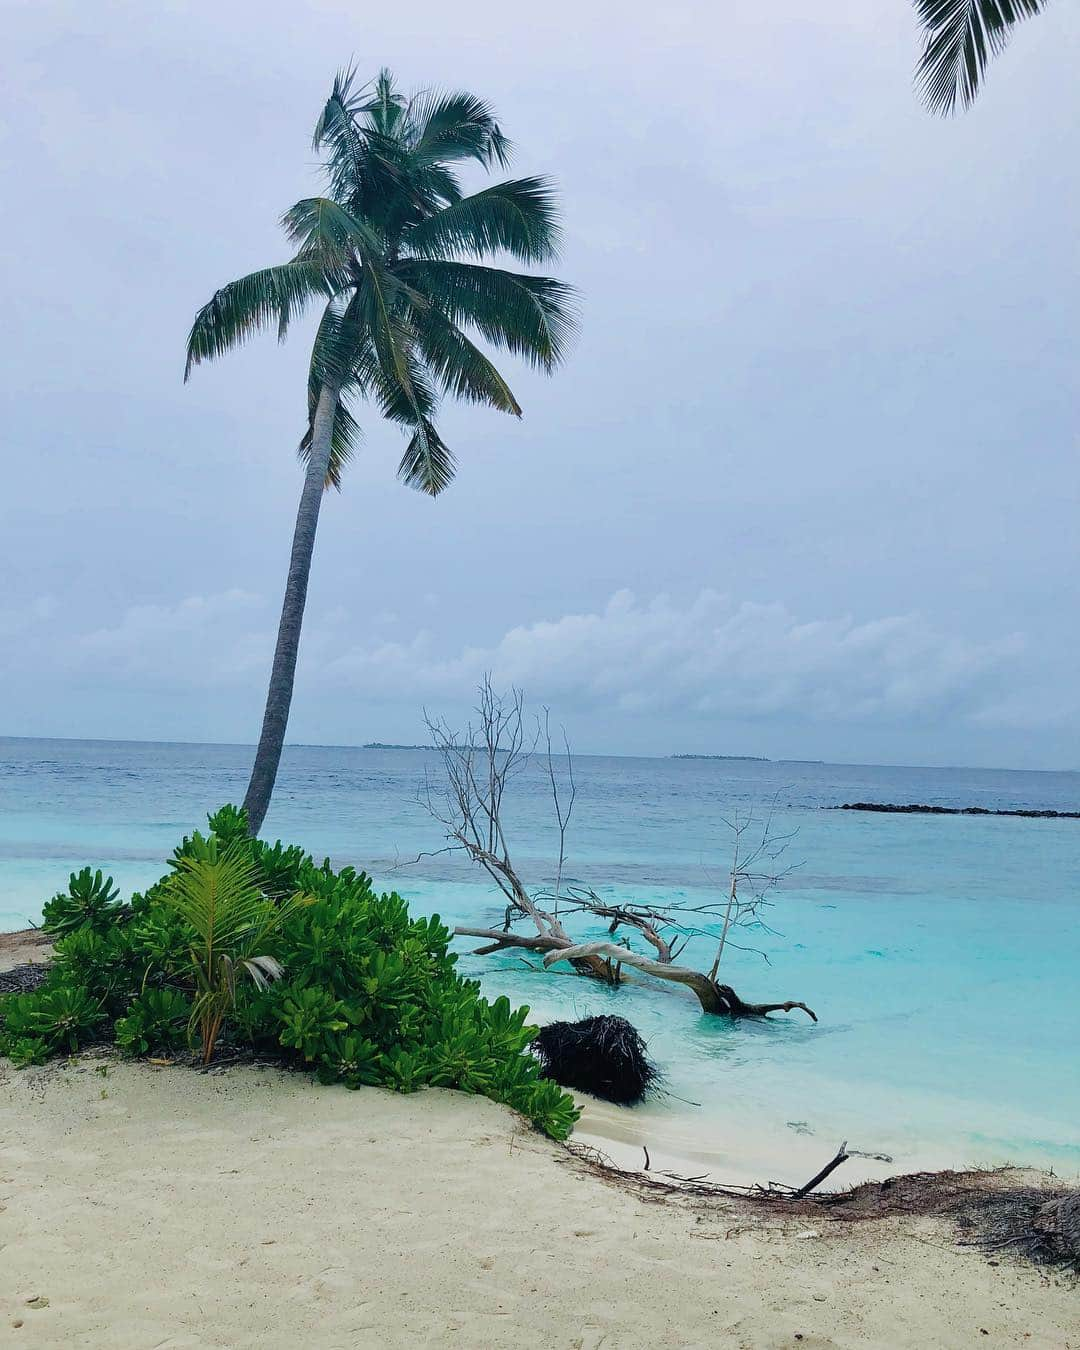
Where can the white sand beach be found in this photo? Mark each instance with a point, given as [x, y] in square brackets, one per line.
[144, 1206]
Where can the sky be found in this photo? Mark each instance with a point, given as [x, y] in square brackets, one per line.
[806, 487]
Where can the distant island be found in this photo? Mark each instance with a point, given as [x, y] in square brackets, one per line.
[385, 745]
[756, 759]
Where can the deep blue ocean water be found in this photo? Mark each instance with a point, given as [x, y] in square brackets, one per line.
[942, 954]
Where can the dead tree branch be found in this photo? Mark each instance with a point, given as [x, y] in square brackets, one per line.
[841, 1156]
[714, 998]
[480, 762]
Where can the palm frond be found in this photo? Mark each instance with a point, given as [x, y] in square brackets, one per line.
[337, 132]
[346, 438]
[453, 126]
[219, 898]
[428, 463]
[334, 356]
[396, 374]
[459, 365]
[387, 107]
[275, 295]
[324, 229]
[519, 217]
[263, 970]
[533, 317]
[398, 403]
[961, 37]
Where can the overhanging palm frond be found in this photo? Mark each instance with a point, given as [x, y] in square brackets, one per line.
[334, 356]
[345, 439]
[961, 36]
[428, 463]
[275, 295]
[395, 375]
[519, 217]
[533, 317]
[459, 365]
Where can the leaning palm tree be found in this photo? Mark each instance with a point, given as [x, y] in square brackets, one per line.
[398, 256]
[960, 38]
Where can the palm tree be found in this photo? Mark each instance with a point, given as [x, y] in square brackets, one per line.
[960, 38]
[398, 256]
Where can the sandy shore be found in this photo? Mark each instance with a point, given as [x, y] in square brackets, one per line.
[165, 1207]
[29, 947]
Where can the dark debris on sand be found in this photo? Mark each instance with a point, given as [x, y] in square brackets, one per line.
[604, 1056]
[1032, 1223]
[998, 1212]
[22, 979]
[994, 1211]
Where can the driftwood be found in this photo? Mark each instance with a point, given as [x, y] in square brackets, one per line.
[720, 999]
[841, 1156]
[480, 762]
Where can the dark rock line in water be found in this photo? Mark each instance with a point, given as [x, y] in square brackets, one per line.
[912, 809]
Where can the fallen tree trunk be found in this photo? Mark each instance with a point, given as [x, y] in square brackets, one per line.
[596, 967]
[719, 999]
[498, 939]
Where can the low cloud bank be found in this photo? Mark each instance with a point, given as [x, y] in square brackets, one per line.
[709, 656]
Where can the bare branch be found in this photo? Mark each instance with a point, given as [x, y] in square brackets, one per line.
[713, 997]
[480, 762]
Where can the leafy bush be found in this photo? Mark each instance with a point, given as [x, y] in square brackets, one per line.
[363, 994]
[53, 1019]
[91, 902]
[157, 1020]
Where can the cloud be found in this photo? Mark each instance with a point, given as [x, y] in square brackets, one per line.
[708, 656]
[200, 640]
[18, 623]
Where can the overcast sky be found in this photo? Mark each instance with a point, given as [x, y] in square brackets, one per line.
[807, 486]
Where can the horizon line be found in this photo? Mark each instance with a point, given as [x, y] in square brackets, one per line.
[577, 754]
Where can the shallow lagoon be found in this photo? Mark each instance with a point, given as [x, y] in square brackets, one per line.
[940, 953]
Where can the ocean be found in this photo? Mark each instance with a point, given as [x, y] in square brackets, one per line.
[941, 954]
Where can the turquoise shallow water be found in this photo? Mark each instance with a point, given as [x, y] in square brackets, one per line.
[941, 953]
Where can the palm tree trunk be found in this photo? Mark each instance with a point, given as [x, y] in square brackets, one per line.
[279, 695]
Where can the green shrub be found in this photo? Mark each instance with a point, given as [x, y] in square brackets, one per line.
[91, 902]
[54, 1019]
[367, 994]
[106, 962]
[156, 1021]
